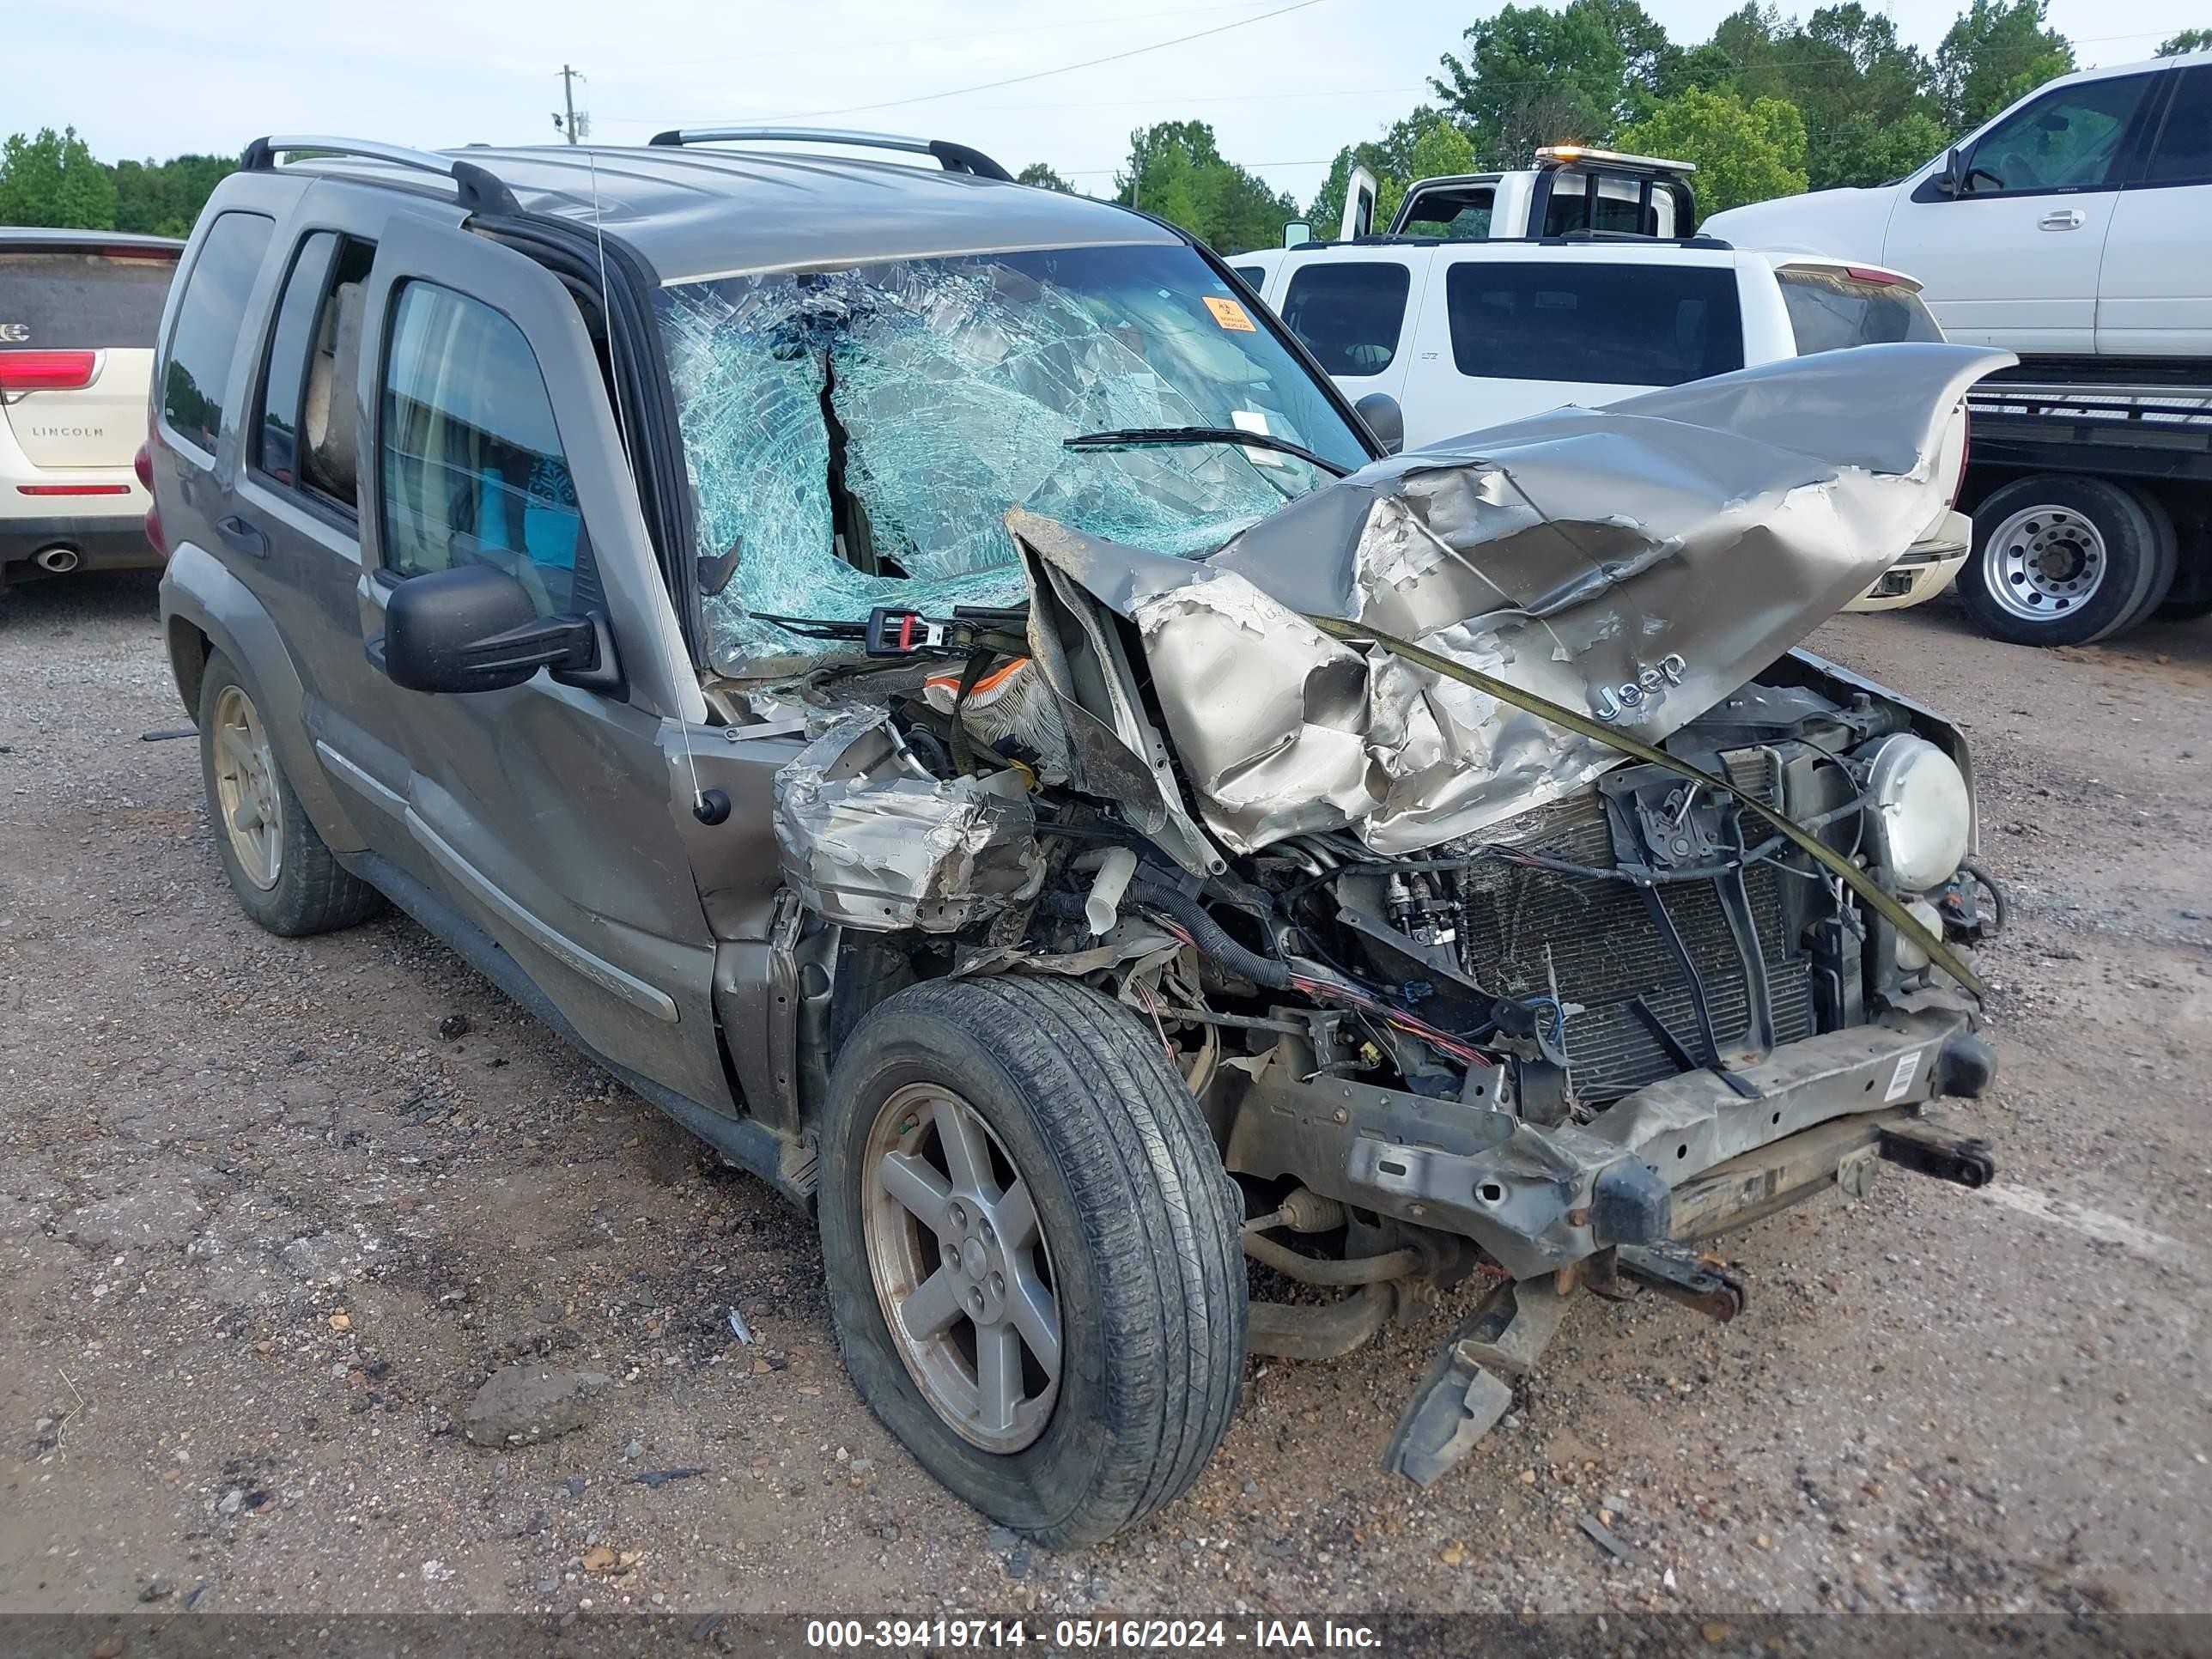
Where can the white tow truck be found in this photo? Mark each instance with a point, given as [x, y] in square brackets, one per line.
[1573, 191]
[2076, 229]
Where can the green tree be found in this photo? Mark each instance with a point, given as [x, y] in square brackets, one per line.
[1176, 170]
[1037, 174]
[1868, 98]
[1745, 152]
[163, 198]
[1998, 50]
[52, 180]
[1423, 145]
[1441, 150]
[2187, 40]
[1533, 76]
[1865, 149]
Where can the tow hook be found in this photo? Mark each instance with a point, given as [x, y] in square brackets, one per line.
[1928, 1149]
[1680, 1276]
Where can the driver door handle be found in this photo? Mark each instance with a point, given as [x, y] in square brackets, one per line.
[2060, 219]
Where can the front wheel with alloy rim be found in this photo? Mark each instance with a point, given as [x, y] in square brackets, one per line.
[1032, 1253]
[2063, 559]
[282, 874]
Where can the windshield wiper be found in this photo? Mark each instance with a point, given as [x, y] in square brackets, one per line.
[1141, 437]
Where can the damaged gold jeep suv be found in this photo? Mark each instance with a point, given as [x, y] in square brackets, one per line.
[925, 681]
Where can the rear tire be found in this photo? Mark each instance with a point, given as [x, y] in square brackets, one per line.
[283, 875]
[2167, 544]
[2184, 609]
[1085, 1126]
[2065, 559]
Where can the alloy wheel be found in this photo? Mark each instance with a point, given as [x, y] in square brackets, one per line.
[246, 789]
[961, 1268]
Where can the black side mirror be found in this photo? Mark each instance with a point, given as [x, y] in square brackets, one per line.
[474, 629]
[1380, 410]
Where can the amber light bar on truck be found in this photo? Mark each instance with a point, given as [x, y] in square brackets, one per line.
[1565, 155]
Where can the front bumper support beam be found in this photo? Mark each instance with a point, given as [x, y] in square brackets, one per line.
[1538, 1199]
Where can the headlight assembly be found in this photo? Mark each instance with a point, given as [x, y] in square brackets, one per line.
[1921, 815]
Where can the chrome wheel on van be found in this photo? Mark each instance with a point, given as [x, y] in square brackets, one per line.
[246, 795]
[2044, 562]
[961, 1268]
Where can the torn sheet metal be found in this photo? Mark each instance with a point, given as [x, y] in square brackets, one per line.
[870, 840]
[1640, 562]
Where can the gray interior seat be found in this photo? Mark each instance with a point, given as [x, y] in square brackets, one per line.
[328, 417]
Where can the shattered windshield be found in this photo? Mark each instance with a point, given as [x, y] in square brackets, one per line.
[854, 437]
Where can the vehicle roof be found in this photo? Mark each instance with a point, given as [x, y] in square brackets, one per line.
[1641, 250]
[2109, 72]
[1645, 250]
[695, 212]
[48, 236]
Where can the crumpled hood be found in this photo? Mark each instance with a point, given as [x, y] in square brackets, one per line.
[1639, 561]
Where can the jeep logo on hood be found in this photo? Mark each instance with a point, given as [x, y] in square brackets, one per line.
[1612, 701]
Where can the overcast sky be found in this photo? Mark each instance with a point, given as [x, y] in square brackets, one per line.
[150, 77]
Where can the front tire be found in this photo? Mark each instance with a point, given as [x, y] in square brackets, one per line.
[2064, 559]
[284, 876]
[1032, 1252]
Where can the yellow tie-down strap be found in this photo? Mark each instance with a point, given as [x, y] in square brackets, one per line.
[1826, 856]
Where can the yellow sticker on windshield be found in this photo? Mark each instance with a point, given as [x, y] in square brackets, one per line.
[1229, 314]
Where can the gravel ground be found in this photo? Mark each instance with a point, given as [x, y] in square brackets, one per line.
[264, 1230]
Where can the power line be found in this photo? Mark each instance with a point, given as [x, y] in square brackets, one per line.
[1268, 97]
[1065, 68]
[1092, 172]
[1177, 100]
[997, 34]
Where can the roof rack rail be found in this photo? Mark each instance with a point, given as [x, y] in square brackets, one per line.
[953, 158]
[1569, 239]
[480, 191]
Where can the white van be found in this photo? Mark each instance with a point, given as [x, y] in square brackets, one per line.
[1463, 336]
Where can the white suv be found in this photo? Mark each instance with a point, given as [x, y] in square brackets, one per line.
[79, 313]
[1463, 335]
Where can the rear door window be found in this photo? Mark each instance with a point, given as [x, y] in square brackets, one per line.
[82, 299]
[211, 318]
[1608, 323]
[305, 436]
[469, 459]
[2183, 152]
[1832, 309]
[1349, 314]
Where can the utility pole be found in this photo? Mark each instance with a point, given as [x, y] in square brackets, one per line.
[577, 128]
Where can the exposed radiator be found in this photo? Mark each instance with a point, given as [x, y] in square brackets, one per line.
[1606, 948]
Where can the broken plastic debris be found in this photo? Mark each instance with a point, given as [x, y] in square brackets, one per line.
[739, 1328]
